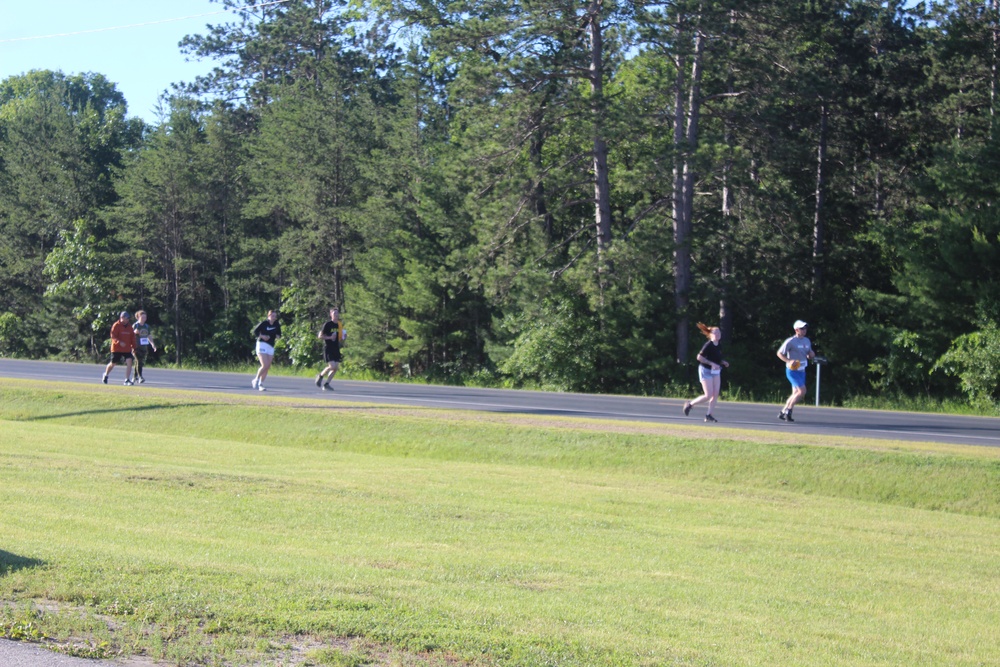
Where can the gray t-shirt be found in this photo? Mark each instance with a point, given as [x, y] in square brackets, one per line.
[798, 349]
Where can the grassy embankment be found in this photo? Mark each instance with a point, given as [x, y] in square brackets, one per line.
[218, 530]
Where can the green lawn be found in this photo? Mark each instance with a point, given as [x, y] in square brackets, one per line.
[213, 530]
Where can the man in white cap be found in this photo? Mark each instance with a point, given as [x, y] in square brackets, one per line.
[795, 352]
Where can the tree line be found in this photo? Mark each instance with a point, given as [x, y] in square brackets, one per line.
[544, 193]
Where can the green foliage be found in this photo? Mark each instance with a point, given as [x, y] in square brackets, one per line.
[974, 359]
[907, 367]
[444, 184]
[299, 328]
[12, 332]
[557, 347]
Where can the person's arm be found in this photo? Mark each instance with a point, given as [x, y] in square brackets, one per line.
[781, 353]
[257, 332]
[115, 335]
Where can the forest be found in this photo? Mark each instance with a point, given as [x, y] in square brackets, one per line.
[531, 193]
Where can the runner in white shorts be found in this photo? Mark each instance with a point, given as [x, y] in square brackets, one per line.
[267, 334]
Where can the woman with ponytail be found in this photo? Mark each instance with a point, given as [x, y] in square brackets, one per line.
[710, 363]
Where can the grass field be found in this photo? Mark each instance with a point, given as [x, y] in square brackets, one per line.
[210, 530]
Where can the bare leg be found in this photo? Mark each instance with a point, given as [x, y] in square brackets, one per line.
[712, 388]
[706, 387]
[265, 366]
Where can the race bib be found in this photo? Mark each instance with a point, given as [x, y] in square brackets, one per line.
[143, 341]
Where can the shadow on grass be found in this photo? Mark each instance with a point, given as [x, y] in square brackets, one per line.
[12, 563]
[138, 408]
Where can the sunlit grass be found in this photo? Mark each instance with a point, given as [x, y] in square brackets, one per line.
[216, 528]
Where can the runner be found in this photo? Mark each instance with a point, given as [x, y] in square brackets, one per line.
[710, 363]
[267, 334]
[122, 346]
[796, 353]
[333, 336]
[144, 342]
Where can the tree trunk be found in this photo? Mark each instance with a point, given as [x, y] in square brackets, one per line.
[685, 142]
[818, 223]
[602, 186]
[994, 5]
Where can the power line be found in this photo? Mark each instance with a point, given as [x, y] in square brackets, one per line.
[139, 25]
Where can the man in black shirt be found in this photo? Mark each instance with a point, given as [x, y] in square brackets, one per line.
[333, 336]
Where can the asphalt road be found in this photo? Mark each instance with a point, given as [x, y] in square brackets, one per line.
[977, 431]
[25, 654]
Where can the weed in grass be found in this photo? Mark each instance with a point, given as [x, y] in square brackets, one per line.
[23, 627]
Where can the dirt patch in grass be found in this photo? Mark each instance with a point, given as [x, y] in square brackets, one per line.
[283, 651]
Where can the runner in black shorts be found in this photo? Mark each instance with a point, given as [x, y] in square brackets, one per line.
[333, 336]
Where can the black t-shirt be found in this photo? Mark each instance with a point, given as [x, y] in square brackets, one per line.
[712, 352]
[331, 329]
[272, 331]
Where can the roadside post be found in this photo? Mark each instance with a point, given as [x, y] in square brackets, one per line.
[819, 361]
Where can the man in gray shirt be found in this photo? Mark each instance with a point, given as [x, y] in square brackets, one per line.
[795, 352]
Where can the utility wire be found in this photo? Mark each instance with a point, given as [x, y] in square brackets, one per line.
[139, 25]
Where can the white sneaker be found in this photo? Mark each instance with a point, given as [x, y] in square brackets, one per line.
[253, 383]
[260, 386]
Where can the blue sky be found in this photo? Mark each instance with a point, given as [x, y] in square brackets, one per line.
[142, 60]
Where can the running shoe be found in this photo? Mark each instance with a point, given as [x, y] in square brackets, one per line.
[128, 383]
[142, 380]
[319, 379]
[788, 418]
[260, 386]
[687, 409]
[327, 387]
[783, 416]
[104, 379]
[710, 419]
[253, 383]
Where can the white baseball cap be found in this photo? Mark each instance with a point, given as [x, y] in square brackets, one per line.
[799, 324]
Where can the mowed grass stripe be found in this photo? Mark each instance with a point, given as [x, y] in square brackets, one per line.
[543, 550]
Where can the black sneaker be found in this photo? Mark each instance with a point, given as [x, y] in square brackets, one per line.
[327, 387]
[710, 419]
[788, 418]
[142, 380]
[127, 383]
[104, 379]
[783, 416]
[319, 379]
[687, 409]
